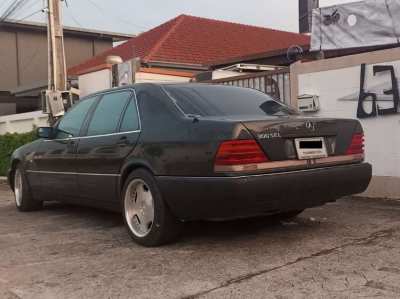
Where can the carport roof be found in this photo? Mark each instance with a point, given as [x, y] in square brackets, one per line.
[194, 42]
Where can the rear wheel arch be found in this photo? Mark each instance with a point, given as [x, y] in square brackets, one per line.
[165, 227]
[14, 164]
[128, 169]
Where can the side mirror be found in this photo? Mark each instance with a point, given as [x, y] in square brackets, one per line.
[45, 132]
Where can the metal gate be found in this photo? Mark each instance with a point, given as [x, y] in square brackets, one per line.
[274, 83]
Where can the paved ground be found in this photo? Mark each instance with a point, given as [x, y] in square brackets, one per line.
[342, 250]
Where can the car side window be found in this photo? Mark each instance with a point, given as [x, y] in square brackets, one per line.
[107, 114]
[70, 125]
[130, 122]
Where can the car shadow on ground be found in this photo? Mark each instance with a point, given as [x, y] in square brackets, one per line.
[193, 232]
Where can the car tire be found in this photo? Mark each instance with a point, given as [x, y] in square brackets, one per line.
[22, 193]
[146, 215]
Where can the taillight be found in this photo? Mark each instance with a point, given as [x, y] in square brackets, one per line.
[357, 145]
[240, 152]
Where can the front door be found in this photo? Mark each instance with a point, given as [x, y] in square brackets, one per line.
[56, 162]
[111, 135]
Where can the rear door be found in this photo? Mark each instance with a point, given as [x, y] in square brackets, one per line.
[111, 135]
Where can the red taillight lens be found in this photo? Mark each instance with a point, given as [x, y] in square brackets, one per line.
[240, 152]
[357, 145]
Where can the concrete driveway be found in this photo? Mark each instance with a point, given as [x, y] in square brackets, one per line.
[347, 249]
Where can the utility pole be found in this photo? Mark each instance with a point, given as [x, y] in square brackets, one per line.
[57, 77]
[57, 66]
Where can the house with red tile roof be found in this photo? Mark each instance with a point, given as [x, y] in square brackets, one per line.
[187, 45]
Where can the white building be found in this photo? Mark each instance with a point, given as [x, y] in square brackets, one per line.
[338, 82]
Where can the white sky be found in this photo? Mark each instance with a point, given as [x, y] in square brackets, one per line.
[134, 16]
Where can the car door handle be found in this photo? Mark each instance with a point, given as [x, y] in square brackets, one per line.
[123, 141]
[71, 143]
[71, 146]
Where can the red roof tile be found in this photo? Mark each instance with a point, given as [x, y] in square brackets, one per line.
[198, 41]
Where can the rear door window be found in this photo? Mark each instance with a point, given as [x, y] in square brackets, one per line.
[108, 112]
[130, 122]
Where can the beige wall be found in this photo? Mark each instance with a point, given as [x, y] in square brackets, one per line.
[100, 46]
[8, 61]
[32, 57]
[23, 56]
[78, 49]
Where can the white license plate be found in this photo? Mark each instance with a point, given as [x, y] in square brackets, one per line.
[311, 148]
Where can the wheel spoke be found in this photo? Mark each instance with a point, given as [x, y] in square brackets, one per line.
[147, 208]
[135, 197]
[136, 218]
[147, 217]
[133, 203]
[142, 224]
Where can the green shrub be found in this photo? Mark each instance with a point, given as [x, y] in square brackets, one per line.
[9, 143]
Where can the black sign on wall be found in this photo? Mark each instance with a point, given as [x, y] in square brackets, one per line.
[366, 96]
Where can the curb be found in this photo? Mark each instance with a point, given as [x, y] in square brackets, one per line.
[3, 180]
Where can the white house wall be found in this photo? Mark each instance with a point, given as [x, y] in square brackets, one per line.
[338, 91]
[158, 78]
[94, 82]
[221, 74]
[22, 122]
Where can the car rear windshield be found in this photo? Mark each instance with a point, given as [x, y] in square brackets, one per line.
[219, 100]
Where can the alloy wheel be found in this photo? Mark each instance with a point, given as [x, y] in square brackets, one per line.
[139, 208]
[18, 187]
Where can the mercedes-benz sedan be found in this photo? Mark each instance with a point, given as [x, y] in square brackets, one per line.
[166, 154]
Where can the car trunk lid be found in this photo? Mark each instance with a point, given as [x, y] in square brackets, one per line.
[278, 137]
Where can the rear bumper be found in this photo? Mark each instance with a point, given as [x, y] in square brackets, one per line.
[194, 198]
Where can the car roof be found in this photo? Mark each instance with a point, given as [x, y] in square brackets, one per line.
[149, 85]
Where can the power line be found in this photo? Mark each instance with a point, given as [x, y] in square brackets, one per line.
[28, 16]
[75, 20]
[15, 6]
[27, 7]
[2, 4]
[7, 10]
[71, 15]
[118, 18]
